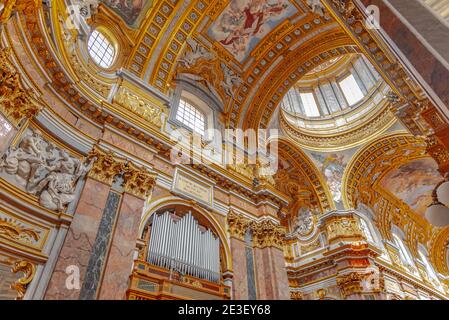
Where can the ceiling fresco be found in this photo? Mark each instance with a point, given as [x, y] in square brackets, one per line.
[413, 183]
[131, 11]
[243, 23]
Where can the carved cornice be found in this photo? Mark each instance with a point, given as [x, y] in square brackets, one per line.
[106, 165]
[267, 234]
[138, 181]
[28, 269]
[237, 225]
[16, 103]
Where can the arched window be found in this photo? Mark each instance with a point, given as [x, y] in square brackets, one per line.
[191, 117]
[101, 49]
[310, 106]
[404, 255]
[351, 90]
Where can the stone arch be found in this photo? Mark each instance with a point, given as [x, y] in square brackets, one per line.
[290, 151]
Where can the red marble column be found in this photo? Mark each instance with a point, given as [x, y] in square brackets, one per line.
[240, 279]
[264, 282]
[280, 279]
[77, 247]
[120, 260]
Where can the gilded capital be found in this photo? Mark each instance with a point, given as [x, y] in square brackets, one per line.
[16, 103]
[9, 6]
[237, 224]
[138, 181]
[267, 234]
[105, 165]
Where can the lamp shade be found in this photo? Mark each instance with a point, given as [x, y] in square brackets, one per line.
[443, 193]
[438, 214]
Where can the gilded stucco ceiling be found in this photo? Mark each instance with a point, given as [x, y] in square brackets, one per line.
[236, 49]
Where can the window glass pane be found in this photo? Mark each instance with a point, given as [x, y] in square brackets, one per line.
[190, 116]
[351, 90]
[310, 107]
[100, 49]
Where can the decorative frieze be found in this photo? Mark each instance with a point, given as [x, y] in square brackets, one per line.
[237, 225]
[350, 283]
[16, 103]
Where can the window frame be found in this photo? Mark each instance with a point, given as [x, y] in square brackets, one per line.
[187, 104]
[94, 56]
[312, 93]
[345, 94]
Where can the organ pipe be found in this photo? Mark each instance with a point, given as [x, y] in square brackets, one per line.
[183, 247]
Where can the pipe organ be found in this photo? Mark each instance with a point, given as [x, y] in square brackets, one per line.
[183, 247]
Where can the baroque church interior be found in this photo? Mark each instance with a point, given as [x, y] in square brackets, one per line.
[224, 149]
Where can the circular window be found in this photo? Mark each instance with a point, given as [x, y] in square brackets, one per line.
[101, 49]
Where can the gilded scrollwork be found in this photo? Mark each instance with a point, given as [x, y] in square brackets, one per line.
[28, 269]
[14, 230]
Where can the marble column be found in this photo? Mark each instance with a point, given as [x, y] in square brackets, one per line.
[240, 280]
[78, 244]
[121, 254]
[238, 227]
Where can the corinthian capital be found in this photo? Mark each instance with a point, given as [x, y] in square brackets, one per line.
[138, 181]
[237, 224]
[105, 165]
[267, 234]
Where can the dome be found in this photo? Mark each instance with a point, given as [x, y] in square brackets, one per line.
[337, 97]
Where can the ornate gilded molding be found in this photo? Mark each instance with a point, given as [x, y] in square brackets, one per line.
[126, 99]
[350, 283]
[28, 269]
[295, 295]
[16, 103]
[138, 181]
[16, 231]
[17, 5]
[105, 166]
[237, 225]
[267, 234]
[343, 228]
[438, 250]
